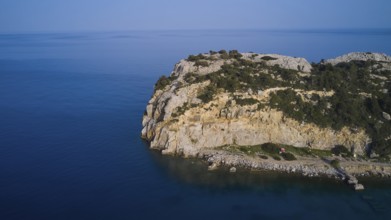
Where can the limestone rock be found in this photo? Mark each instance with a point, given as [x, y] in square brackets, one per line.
[358, 187]
[213, 166]
[386, 116]
[286, 62]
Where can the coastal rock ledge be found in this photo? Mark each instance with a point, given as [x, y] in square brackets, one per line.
[224, 98]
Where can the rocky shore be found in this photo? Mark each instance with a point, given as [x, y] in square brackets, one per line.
[348, 170]
[311, 167]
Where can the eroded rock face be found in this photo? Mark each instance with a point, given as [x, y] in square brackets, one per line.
[208, 127]
[177, 122]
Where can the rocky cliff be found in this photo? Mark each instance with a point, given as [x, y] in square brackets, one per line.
[219, 99]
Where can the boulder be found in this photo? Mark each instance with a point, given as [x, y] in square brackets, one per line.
[232, 169]
[358, 187]
[386, 116]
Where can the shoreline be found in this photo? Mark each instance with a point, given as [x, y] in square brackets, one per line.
[348, 171]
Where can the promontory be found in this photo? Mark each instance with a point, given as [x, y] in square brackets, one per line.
[275, 112]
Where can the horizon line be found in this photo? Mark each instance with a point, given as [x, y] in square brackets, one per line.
[319, 30]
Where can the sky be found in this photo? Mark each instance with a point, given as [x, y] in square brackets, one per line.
[109, 15]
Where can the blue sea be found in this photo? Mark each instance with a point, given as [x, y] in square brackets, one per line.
[71, 106]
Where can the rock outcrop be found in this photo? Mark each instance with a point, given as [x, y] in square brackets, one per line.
[360, 56]
[286, 62]
[177, 121]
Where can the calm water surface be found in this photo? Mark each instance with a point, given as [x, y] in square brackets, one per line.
[70, 120]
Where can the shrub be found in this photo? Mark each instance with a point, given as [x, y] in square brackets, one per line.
[180, 110]
[267, 58]
[276, 157]
[162, 82]
[224, 56]
[270, 148]
[207, 94]
[203, 63]
[335, 163]
[340, 149]
[194, 58]
[263, 157]
[235, 54]
[288, 156]
[248, 101]
[222, 52]
[381, 147]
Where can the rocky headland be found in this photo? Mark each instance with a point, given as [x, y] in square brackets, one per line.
[268, 111]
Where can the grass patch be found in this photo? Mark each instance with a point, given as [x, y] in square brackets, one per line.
[321, 153]
[272, 150]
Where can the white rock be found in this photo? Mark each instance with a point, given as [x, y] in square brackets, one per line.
[386, 116]
[287, 62]
[358, 187]
[213, 166]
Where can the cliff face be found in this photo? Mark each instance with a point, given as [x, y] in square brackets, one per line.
[179, 121]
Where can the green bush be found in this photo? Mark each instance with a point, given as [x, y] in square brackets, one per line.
[203, 63]
[224, 56]
[207, 94]
[235, 54]
[340, 149]
[270, 148]
[194, 58]
[335, 163]
[247, 101]
[263, 157]
[267, 58]
[162, 82]
[276, 157]
[381, 147]
[288, 156]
